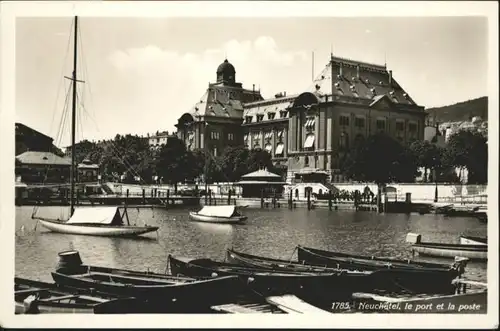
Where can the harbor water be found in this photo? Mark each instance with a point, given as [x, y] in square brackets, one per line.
[272, 232]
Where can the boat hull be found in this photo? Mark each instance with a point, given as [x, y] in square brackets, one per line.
[350, 261]
[214, 219]
[55, 299]
[163, 294]
[467, 240]
[317, 288]
[97, 230]
[472, 252]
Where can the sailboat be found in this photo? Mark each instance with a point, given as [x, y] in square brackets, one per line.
[95, 221]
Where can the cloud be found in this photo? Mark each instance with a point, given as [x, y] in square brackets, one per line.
[163, 84]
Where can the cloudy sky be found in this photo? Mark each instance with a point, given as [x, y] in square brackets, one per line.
[141, 74]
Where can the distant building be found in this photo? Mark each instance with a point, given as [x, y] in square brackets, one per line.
[42, 167]
[476, 124]
[159, 139]
[307, 132]
[88, 172]
[28, 139]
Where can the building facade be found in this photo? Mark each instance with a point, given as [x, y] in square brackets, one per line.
[308, 133]
[28, 139]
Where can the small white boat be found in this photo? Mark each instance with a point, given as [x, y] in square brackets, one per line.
[218, 214]
[469, 240]
[96, 221]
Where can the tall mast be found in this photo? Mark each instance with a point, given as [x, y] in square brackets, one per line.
[73, 120]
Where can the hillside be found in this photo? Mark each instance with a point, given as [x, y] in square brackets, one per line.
[462, 111]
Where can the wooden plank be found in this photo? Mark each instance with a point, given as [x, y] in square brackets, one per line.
[64, 297]
[234, 309]
[28, 291]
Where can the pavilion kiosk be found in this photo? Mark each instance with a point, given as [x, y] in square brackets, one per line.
[261, 183]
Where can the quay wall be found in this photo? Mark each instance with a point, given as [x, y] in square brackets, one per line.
[419, 192]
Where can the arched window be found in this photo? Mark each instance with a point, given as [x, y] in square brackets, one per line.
[320, 192]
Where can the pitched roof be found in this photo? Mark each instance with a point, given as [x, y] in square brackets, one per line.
[216, 102]
[45, 158]
[374, 80]
[260, 174]
[263, 107]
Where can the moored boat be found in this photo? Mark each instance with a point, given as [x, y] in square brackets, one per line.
[320, 287]
[417, 280]
[37, 297]
[172, 294]
[472, 252]
[96, 221]
[218, 214]
[316, 256]
[471, 240]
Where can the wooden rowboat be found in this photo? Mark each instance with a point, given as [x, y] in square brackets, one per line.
[470, 240]
[37, 297]
[316, 256]
[472, 252]
[173, 294]
[420, 280]
[218, 214]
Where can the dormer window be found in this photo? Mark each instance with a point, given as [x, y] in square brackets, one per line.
[317, 87]
[248, 119]
[260, 118]
[405, 95]
[381, 83]
[337, 85]
[373, 90]
[391, 93]
[271, 115]
[283, 113]
[353, 79]
[352, 87]
[339, 76]
[367, 81]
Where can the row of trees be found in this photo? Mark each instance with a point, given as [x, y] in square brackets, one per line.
[172, 162]
[378, 159]
[381, 159]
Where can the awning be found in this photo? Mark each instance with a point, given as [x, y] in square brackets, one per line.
[309, 141]
[279, 149]
[96, 215]
[269, 148]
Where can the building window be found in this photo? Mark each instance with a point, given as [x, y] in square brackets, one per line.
[344, 141]
[268, 135]
[268, 148]
[271, 115]
[380, 124]
[412, 127]
[260, 118]
[310, 121]
[400, 126]
[344, 120]
[281, 133]
[230, 136]
[214, 135]
[214, 151]
[306, 161]
[283, 113]
[309, 142]
[248, 119]
[359, 122]
[279, 149]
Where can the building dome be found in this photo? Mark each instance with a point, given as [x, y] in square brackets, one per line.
[226, 68]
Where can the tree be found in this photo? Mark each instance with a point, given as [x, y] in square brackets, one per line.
[426, 155]
[259, 159]
[234, 162]
[379, 159]
[173, 162]
[469, 150]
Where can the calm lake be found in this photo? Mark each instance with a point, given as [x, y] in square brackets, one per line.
[273, 233]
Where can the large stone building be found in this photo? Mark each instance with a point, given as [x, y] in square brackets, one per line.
[306, 133]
